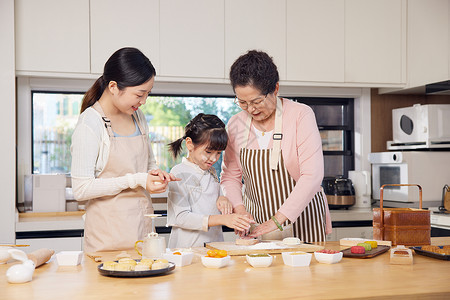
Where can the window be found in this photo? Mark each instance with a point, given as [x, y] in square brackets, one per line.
[334, 118]
[55, 115]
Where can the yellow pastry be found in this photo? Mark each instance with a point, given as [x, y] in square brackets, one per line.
[160, 265]
[127, 260]
[124, 267]
[373, 244]
[161, 261]
[142, 267]
[146, 261]
[109, 265]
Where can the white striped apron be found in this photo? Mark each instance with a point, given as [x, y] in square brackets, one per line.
[267, 186]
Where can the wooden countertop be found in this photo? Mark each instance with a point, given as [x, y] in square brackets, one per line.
[351, 278]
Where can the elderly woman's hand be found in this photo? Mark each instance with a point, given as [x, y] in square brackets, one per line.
[268, 226]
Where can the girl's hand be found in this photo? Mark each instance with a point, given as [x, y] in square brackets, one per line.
[238, 222]
[224, 205]
[155, 185]
[240, 209]
[163, 175]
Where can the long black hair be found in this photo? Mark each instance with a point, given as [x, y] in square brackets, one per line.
[127, 66]
[203, 129]
[255, 68]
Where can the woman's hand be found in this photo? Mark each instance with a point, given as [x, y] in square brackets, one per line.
[268, 226]
[224, 205]
[155, 185]
[163, 175]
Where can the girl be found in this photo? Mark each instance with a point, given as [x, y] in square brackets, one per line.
[195, 203]
[113, 166]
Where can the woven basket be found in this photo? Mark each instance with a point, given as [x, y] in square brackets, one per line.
[402, 226]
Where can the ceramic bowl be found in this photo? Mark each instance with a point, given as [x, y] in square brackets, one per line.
[69, 258]
[327, 258]
[259, 261]
[213, 262]
[297, 259]
[180, 260]
[4, 254]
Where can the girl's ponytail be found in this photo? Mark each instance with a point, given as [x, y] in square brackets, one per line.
[175, 147]
[93, 94]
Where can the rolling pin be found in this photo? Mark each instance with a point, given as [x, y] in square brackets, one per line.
[41, 256]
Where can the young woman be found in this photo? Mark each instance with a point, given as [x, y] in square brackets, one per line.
[113, 166]
[195, 203]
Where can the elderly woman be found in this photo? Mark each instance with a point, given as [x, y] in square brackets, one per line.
[275, 150]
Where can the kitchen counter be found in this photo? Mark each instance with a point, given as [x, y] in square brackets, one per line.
[351, 278]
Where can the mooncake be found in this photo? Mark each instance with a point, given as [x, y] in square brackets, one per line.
[373, 244]
[109, 265]
[366, 246]
[358, 249]
[142, 267]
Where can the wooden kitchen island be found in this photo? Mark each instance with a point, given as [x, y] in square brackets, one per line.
[351, 278]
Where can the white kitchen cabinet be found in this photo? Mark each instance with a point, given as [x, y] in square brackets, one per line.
[116, 24]
[353, 232]
[315, 40]
[56, 244]
[428, 42]
[52, 36]
[192, 38]
[375, 41]
[255, 24]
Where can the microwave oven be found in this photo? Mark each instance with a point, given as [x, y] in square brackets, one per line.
[422, 125]
[429, 169]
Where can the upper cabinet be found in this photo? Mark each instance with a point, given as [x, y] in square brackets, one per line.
[192, 38]
[428, 42]
[116, 24]
[375, 41]
[52, 36]
[315, 40]
[323, 42]
[255, 24]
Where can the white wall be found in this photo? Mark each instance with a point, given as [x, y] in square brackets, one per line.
[7, 123]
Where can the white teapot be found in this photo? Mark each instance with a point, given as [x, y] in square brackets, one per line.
[153, 246]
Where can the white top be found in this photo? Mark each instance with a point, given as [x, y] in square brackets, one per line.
[263, 137]
[190, 203]
[90, 151]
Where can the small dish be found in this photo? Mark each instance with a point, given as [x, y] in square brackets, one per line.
[181, 259]
[291, 241]
[328, 258]
[259, 260]
[69, 258]
[296, 259]
[215, 262]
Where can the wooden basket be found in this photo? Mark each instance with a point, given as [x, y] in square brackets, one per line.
[402, 226]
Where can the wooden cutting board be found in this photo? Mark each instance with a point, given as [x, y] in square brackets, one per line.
[234, 249]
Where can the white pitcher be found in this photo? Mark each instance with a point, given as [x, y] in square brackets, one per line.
[153, 246]
[363, 188]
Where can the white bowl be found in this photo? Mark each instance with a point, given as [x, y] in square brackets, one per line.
[296, 259]
[4, 254]
[179, 260]
[327, 258]
[259, 261]
[69, 258]
[213, 262]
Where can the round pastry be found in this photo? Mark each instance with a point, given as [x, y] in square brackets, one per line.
[146, 261]
[109, 265]
[358, 249]
[127, 260]
[142, 267]
[124, 267]
[373, 244]
[159, 265]
[366, 246]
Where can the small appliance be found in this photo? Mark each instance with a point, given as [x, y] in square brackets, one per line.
[340, 192]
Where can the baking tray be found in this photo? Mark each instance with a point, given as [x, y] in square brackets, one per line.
[369, 254]
[419, 250]
[146, 273]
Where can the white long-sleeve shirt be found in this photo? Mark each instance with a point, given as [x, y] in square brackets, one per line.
[190, 203]
[90, 151]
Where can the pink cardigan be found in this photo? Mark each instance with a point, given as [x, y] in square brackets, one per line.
[301, 148]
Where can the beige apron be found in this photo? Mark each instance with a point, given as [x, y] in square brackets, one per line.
[116, 222]
[268, 184]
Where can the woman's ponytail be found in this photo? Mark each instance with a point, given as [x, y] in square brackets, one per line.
[93, 94]
[175, 147]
